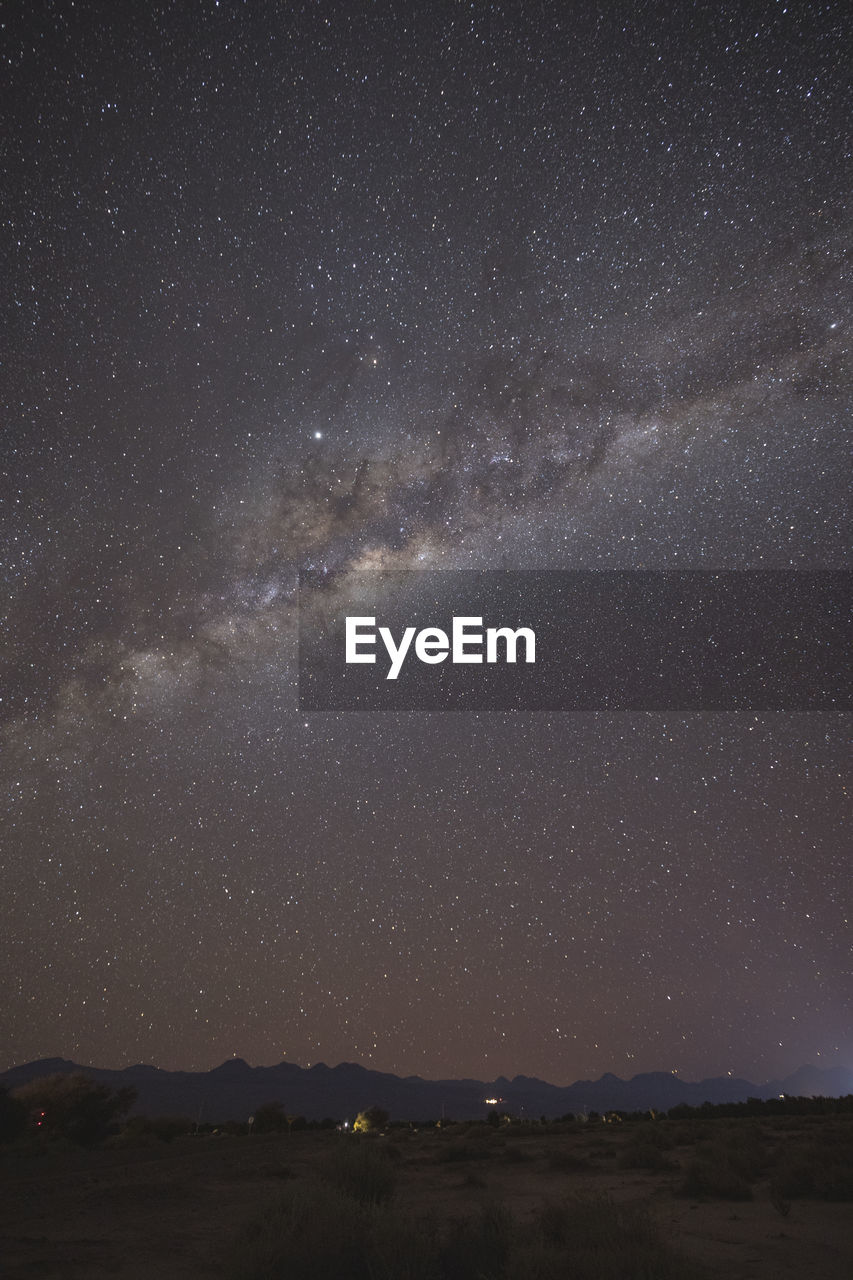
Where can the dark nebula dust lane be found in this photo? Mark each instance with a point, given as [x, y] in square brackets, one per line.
[454, 286]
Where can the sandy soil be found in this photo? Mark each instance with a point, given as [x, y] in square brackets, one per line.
[173, 1210]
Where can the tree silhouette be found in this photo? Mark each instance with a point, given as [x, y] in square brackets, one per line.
[75, 1107]
[370, 1121]
[13, 1116]
[270, 1118]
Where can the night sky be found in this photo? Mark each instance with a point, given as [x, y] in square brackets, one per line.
[439, 286]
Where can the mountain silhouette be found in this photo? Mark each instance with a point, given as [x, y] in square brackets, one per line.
[234, 1090]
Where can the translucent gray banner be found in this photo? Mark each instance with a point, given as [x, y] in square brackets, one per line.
[621, 640]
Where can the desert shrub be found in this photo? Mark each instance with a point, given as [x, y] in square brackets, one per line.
[400, 1248]
[361, 1171]
[457, 1152]
[711, 1174]
[644, 1149]
[556, 1127]
[685, 1133]
[819, 1168]
[478, 1132]
[585, 1238]
[652, 1133]
[591, 1238]
[160, 1128]
[725, 1165]
[314, 1231]
[477, 1246]
[74, 1107]
[271, 1169]
[780, 1204]
[745, 1149]
[835, 1136]
[644, 1155]
[522, 1130]
[789, 1124]
[566, 1160]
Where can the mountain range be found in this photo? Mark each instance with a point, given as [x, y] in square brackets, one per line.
[234, 1090]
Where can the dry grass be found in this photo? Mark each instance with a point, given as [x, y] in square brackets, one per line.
[628, 1200]
[314, 1232]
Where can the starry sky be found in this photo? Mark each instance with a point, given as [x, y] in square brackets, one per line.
[443, 286]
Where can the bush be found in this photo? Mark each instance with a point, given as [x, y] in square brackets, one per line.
[362, 1172]
[653, 1134]
[725, 1166]
[686, 1133]
[820, 1168]
[13, 1116]
[642, 1154]
[457, 1152]
[520, 1130]
[478, 1246]
[370, 1121]
[311, 1233]
[269, 1118]
[744, 1147]
[75, 1107]
[591, 1238]
[162, 1128]
[565, 1160]
[314, 1231]
[712, 1175]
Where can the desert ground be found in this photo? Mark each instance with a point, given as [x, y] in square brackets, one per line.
[211, 1205]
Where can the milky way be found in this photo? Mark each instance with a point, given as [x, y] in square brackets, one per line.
[450, 286]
